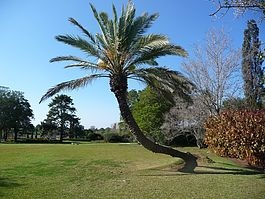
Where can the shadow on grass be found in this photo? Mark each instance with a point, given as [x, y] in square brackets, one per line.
[194, 165]
[209, 171]
[193, 169]
[223, 170]
[8, 183]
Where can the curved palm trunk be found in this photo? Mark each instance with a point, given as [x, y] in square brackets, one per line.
[119, 88]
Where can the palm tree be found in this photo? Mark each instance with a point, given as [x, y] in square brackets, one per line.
[123, 51]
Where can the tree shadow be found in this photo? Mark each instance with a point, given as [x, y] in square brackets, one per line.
[228, 171]
[249, 167]
[192, 168]
[210, 171]
[8, 183]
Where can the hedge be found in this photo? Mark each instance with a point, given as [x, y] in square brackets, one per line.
[238, 134]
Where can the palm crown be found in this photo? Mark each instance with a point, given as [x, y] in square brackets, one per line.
[123, 51]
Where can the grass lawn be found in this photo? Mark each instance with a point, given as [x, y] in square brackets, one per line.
[118, 171]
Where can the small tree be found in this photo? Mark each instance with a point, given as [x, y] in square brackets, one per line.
[149, 110]
[62, 114]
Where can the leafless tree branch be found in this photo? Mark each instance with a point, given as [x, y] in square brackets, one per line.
[240, 6]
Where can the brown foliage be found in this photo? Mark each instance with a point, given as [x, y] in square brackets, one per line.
[238, 134]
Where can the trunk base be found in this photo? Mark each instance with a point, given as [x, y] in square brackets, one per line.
[190, 161]
[190, 164]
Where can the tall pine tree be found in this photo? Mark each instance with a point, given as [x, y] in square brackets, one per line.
[252, 66]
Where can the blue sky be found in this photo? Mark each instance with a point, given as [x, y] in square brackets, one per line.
[28, 28]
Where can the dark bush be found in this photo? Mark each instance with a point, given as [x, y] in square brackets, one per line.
[238, 134]
[116, 138]
[127, 138]
[183, 140]
[94, 136]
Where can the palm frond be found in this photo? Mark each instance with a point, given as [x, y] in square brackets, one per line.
[150, 62]
[131, 28]
[167, 83]
[80, 43]
[139, 26]
[125, 21]
[78, 62]
[71, 85]
[84, 65]
[147, 41]
[115, 19]
[106, 24]
[66, 58]
[87, 33]
[157, 50]
[108, 39]
[102, 23]
[144, 22]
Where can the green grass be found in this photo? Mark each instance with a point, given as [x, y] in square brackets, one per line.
[118, 171]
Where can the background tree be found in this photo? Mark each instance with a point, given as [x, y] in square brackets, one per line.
[47, 129]
[123, 51]
[38, 131]
[235, 103]
[62, 114]
[15, 112]
[214, 70]
[252, 66]
[132, 97]
[149, 110]
[76, 130]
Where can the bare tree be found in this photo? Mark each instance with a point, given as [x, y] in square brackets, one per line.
[186, 119]
[239, 6]
[214, 69]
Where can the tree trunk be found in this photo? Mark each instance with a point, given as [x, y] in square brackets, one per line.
[15, 134]
[61, 131]
[61, 136]
[119, 88]
[5, 135]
